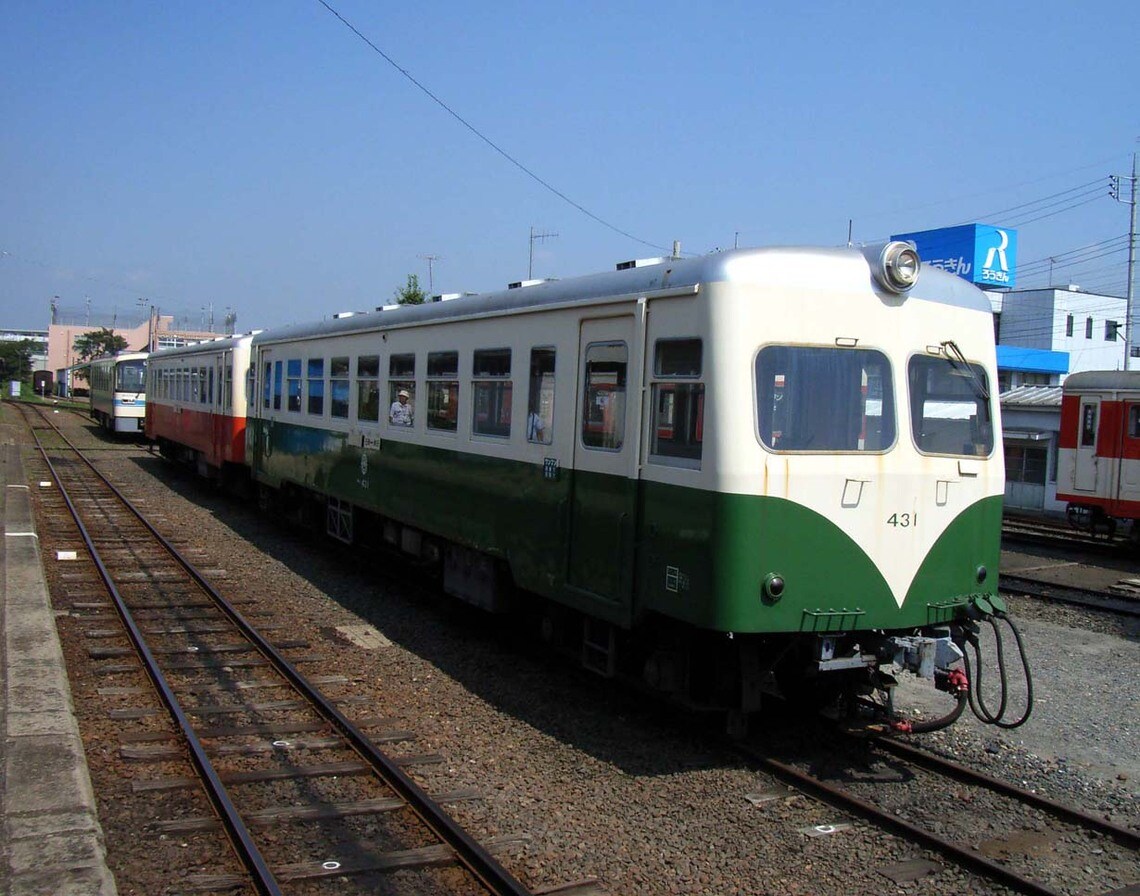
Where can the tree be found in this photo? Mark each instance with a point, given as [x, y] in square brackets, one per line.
[16, 360]
[411, 294]
[98, 343]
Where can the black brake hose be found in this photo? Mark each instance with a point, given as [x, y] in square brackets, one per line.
[1028, 676]
[976, 700]
[944, 722]
[994, 718]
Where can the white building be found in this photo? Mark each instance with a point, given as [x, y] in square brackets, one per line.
[1043, 336]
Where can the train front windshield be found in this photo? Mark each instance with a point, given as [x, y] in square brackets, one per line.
[130, 376]
[824, 399]
[950, 407]
[821, 399]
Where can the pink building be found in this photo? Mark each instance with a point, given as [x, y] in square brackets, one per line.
[153, 334]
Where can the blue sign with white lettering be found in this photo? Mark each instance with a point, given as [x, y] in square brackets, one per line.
[981, 253]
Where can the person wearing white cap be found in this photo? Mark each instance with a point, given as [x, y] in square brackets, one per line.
[400, 413]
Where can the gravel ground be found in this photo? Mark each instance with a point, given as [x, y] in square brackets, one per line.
[642, 800]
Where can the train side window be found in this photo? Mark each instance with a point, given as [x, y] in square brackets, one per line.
[277, 384]
[824, 399]
[293, 384]
[316, 390]
[491, 376]
[368, 388]
[1088, 425]
[678, 403]
[267, 385]
[540, 402]
[950, 407]
[227, 383]
[210, 386]
[603, 408]
[401, 378]
[1134, 421]
[443, 390]
[338, 387]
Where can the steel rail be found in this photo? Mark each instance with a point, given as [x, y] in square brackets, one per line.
[239, 834]
[1124, 836]
[851, 803]
[1065, 594]
[468, 851]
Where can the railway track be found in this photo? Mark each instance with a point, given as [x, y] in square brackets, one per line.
[1122, 604]
[1005, 845]
[1021, 530]
[301, 792]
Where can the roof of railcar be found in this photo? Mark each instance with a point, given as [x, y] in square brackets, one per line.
[1102, 381]
[778, 265]
[118, 358]
[221, 343]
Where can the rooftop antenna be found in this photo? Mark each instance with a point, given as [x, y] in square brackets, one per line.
[430, 259]
[535, 236]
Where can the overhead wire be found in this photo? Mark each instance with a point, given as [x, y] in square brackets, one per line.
[491, 143]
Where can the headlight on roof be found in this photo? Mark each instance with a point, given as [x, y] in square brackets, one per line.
[898, 267]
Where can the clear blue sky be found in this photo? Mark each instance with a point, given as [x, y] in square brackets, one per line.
[260, 156]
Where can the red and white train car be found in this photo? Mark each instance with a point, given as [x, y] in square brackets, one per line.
[197, 400]
[1098, 457]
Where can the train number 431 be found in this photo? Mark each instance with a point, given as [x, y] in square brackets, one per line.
[903, 520]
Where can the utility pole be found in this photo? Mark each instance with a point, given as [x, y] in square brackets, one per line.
[1115, 192]
[431, 283]
[535, 236]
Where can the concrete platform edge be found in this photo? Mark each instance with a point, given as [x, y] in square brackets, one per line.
[51, 838]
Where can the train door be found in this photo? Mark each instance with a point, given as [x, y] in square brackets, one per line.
[1084, 478]
[603, 494]
[258, 426]
[1128, 477]
[221, 450]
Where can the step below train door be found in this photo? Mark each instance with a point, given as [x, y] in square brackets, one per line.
[603, 498]
[1085, 475]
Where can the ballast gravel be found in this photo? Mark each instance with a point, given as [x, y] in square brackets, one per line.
[640, 799]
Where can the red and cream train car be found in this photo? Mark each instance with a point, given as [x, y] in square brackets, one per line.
[1098, 457]
[196, 408]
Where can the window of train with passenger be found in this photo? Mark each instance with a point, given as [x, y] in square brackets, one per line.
[678, 403]
[950, 407]
[402, 390]
[491, 392]
[540, 401]
[368, 388]
[338, 387]
[293, 385]
[824, 399]
[443, 391]
[603, 408]
[315, 382]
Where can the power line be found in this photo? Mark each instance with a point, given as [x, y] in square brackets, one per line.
[491, 143]
[1005, 211]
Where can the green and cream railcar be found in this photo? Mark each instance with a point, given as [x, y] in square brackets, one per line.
[725, 473]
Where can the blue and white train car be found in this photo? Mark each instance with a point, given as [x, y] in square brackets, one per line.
[118, 392]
